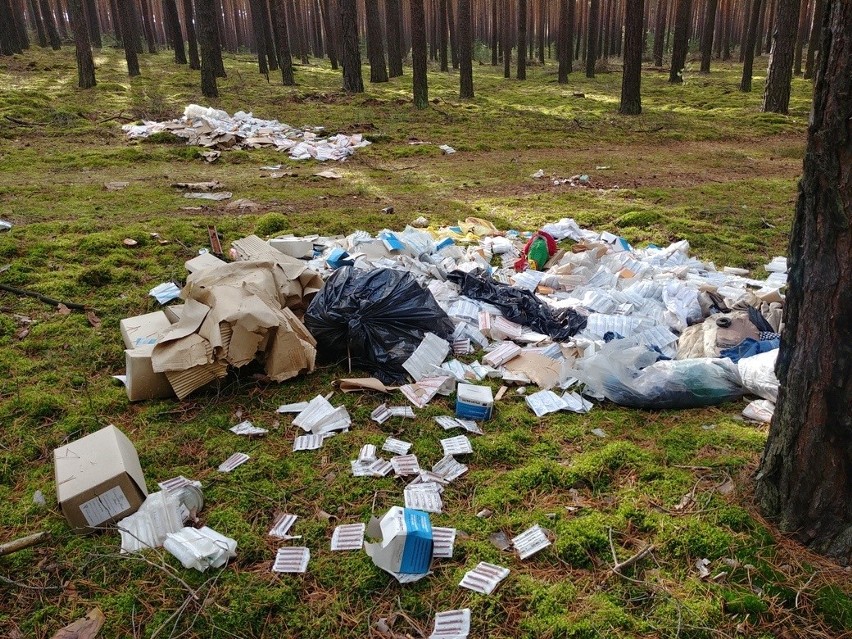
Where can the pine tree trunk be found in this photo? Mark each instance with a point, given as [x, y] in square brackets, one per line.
[465, 43]
[507, 40]
[257, 33]
[285, 59]
[804, 482]
[85, 63]
[814, 39]
[418, 54]
[443, 39]
[681, 40]
[331, 33]
[39, 23]
[394, 38]
[707, 35]
[776, 95]
[375, 44]
[271, 53]
[750, 44]
[727, 27]
[352, 81]
[493, 34]
[631, 94]
[659, 32]
[128, 30]
[801, 34]
[217, 34]
[564, 43]
[191, 39]
[522, 39]
[91, 10]
[208, 43]
[10, 40]
[175, 35]
[147, 25]
[49, 25]
[454, 43]
[769, 18]
[592, 38]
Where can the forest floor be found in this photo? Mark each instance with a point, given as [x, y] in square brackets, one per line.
[702, 163]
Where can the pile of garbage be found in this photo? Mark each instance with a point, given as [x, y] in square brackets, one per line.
[426, 312]
[648, 327]
[215, 129]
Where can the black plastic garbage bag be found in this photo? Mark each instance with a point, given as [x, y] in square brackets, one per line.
[377, 317]
[519, 306]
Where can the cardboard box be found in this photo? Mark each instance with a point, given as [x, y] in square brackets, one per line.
[203, 261]
[143, 329]
[406, 541]
[297, 247]
[98, 479]
[474, 402]
[141, 382]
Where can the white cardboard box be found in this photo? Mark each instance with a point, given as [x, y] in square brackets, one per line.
[98, 479]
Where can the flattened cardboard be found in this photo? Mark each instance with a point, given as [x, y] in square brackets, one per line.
[142, 330]
[99, 479]
[203, 261]
[353, 385]
[542, 371]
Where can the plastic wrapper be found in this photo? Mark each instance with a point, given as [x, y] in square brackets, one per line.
[620, 377]
[758, 375]
[521, 307]
[377, 318]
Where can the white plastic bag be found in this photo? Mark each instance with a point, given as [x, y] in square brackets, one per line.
[758, 375]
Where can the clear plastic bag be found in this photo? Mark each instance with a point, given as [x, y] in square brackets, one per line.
[623, 377]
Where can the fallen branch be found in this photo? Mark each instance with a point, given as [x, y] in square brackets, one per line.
[618, 566]
[20, 122]
[24, 542]
[42, 298]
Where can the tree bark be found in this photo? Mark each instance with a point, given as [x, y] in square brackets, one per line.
[522, 39]
[352, 81]
[631, 97]
[681, 40]
[465, 41]
[659, 32]
[707, 35]
[494, 31]
[128, 29]
[394, 37]
[91, 10]
[813, 40]
[191, 39]
[801, 34]
[454, 44]
[39, 24]
[564, 42]
[285, 59]
[170, 12]
[592, 38]
[375, 44]
[144, 11]
[50, 25]
[271, 53]
[776, 95]
[804, 482]
[749, 47]
[418, 54]
[208, 43]
[330, 33]
[85, 63]
[257, 32]
[727, 27]
[507, 39]
[443, 38]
